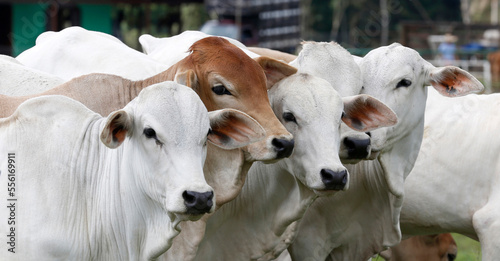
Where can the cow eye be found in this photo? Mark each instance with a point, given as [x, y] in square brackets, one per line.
[403, 83]
[219, 89]
[150, 133]
[288, 116]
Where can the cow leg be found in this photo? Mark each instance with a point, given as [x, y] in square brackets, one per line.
[486, 222]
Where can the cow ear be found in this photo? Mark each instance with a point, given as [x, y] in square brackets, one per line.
[452, 81]
[187, 78]
[274, 70]
[365, 113]
[149, 43]
[118, 126]
[231, 129]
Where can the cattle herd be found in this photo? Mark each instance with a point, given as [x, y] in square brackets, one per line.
[201, 148]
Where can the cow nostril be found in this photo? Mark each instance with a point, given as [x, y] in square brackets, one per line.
[188, 197]
[283, 148]
[369, 134]
[334, 180]
[210, 197]
[198, 203]
[349, 143]
[357, 148]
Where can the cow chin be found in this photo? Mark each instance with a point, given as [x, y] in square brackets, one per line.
[373, 155]
[352, 161]
[189, 217]
[324, 193]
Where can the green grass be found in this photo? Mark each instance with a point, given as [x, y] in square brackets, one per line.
[468, 249]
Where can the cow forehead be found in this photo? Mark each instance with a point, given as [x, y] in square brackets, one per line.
[343, 72]
[391, 58]
[307, 96]
[384, 66]
[173, 107]
[217, 55]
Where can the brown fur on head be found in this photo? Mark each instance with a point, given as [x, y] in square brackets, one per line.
[216, 62]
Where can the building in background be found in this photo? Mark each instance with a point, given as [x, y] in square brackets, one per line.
[272, 24]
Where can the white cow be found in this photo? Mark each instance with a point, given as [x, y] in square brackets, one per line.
[453, 186]
[364, 220]
[262, 220]
[57, 52]
[73, 197]
[17, 79]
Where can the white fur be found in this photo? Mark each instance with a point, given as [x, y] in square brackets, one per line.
[17, 79]
[75, 51]
[454, 184]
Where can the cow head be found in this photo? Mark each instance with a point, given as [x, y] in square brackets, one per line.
[344, 75]
[398, 76]
[225, 77]
[168, 128]
[312, 111]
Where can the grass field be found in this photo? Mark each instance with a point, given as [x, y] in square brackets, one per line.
[468, 249]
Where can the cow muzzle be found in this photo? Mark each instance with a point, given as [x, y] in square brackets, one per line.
[198, 203]
[283, 147]
[334, 180]
[357, 148]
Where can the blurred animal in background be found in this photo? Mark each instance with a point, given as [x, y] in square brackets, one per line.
[440, 247]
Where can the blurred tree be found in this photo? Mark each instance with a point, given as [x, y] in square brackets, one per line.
[193, 16]
[358, 23]
[158, 19]
[320, 17]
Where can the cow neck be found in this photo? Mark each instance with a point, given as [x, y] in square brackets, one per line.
[8, 104]
[168, 75]
[91, 183]
[383, 180]
[102, 93]
[93, 163]
[365, 218]
[270, 203]
[229, 164]
[116, 209]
